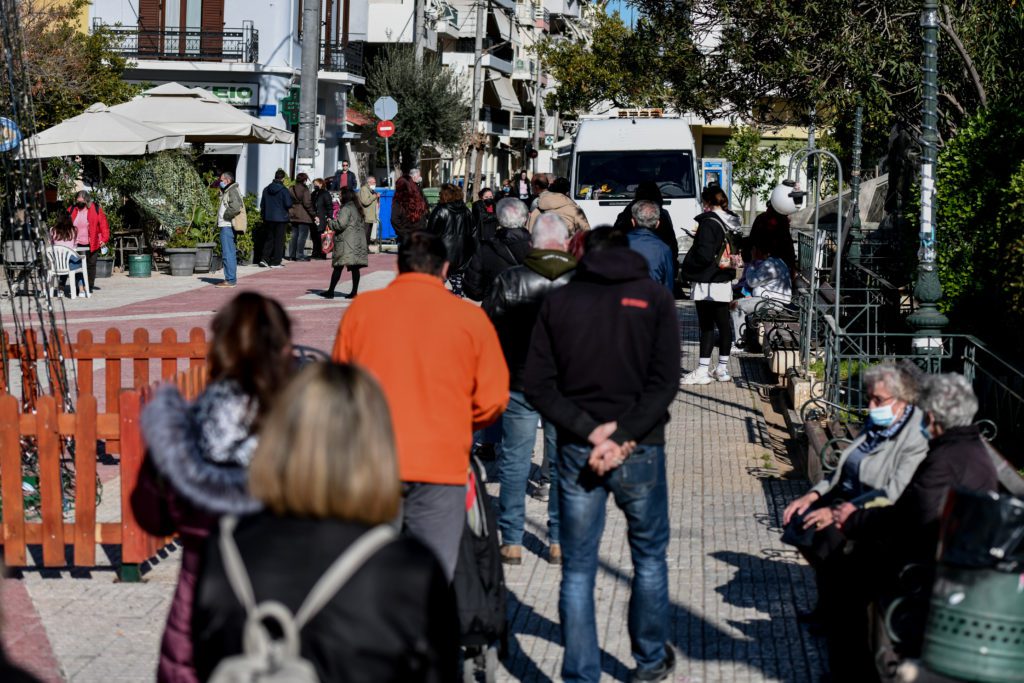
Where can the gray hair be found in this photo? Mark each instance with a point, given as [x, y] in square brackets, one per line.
[950, 399]
[898, 381]
[549, 232]
[228, 174]
[511, 213]
[84, 196]
[646, 214]
[415, 173]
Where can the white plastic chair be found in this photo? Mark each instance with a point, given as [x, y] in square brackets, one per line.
[60, 265]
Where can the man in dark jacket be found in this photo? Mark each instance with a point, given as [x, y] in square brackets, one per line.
[301, 215]
[907, 532]
[344, 178]
[508, 248]
[274, 205]
[644, 241]
[603, 366]
[513, 305]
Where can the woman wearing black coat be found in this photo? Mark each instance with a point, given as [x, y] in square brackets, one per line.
[452, 221]
[326, 473]
[323, 206]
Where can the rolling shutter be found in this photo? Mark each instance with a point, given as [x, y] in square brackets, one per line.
[151, 14]
[213, 29]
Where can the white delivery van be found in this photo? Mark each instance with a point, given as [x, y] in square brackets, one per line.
[610, 157]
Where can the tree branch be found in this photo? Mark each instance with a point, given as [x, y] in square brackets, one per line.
[947, 26]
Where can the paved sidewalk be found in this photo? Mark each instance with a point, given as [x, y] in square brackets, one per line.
[734, 587]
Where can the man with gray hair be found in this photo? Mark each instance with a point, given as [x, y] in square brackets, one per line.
[231, 218]
[506, 249]
[643, 240]
[513, 305]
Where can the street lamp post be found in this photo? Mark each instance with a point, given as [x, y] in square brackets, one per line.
[927, 322]
[855, 234]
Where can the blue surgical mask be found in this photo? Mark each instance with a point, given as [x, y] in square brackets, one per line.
[222, 184]
[924, 428]
[882, 415]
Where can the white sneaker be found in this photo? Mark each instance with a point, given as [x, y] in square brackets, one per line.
[736, 350]
[722, 374]
[698, 376]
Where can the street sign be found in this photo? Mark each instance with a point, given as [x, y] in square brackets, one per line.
[549, 140]
[385, 108]
[290, 107]
[385, 129]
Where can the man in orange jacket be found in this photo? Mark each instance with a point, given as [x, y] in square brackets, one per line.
[440, 364]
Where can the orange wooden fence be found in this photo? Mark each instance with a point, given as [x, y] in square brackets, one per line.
[51, 428]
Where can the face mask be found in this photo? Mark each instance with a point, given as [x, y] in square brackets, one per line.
[882, 416]
[80, 205]
[925, 424]
[222, 184]
[373, 186]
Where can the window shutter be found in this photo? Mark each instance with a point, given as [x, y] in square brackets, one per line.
[213, 29]
[150, 24]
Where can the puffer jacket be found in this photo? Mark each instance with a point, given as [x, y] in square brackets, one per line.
[196, 469]
[514, 302]
[453, 223]
[556, 202]
[508, 248]
[713, 229]
[302, 210]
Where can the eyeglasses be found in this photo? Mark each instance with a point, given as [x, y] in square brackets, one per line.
[880, 400]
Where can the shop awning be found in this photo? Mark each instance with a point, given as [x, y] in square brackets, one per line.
[502, 87]
[504, 23]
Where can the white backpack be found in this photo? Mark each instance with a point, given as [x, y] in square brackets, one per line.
[267, 660]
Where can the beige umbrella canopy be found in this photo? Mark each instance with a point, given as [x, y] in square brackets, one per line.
[199, 116]
[99, 131]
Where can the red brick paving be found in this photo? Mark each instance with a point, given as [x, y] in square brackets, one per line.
[23, 635]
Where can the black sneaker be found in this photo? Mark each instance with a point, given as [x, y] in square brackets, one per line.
[662, 672]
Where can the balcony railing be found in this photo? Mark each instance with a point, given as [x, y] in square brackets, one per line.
[226, 45]
[342, 58]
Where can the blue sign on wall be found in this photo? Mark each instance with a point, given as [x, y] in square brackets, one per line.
[10, 135]
[268, 110]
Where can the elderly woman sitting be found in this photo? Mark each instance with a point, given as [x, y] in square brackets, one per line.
[878, 464]
[889, 538]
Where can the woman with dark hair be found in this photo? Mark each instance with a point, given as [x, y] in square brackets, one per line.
[710, 266]
[323, 206]
[301, 214]
[522, 188]
[408, 209]
[452, 222]
[63, 234]
[197, 462]
[350, 248]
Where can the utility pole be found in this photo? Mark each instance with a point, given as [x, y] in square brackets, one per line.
[419, 19]
[856, 236]
[308, 81]
[927, 322]
[537, 103]
[482, 8]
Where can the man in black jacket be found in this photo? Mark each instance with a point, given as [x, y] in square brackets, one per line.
[274, 205]
[508, 248]
[513, 305]
[604, 367]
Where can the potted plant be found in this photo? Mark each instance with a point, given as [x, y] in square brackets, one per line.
[181, 251]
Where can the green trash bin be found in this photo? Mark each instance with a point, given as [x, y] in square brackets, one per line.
[140, 265]
[433, 195]
[975, 629]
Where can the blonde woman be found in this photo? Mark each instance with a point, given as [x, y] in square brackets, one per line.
[325, 470]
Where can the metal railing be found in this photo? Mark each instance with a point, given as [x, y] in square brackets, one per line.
[342, 58]
[226, 45]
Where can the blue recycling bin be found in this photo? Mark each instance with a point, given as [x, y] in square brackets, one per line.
[386, 231]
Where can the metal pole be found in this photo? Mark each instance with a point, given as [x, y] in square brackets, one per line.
[855, 234]
[308, 81]
[387, 160]
[417, 29]
[926, 321]
[482, 9]
[537, 103]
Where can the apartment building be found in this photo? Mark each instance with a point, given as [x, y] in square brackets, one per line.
[247, 53]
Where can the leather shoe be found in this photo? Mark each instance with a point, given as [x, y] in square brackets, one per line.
[662, 672]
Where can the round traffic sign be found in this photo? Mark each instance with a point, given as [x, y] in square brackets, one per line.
[385, 129]
[385, 108]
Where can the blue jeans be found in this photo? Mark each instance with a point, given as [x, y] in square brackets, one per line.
[640, 491]
[229, 254]
[519, 432]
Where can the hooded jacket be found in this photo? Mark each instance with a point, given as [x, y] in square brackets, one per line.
[453, 223]
[508, 248]
[515, 299]
[606, 347]
[196, 469]
[713, 229]
[275, 202]
[556, 202]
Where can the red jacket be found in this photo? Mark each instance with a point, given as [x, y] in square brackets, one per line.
[99, 229]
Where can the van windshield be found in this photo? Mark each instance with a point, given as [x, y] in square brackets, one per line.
[615, 175]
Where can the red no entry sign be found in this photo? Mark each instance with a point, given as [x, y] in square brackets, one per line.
[385, 129]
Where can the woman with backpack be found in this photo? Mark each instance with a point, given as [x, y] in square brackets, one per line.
[350, 248]
[326, 473]
[196, 467]
[710, 266]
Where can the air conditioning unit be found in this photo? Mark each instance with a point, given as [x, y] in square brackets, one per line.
[321, 127]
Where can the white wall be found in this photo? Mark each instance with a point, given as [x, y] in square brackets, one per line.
[390, 21]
